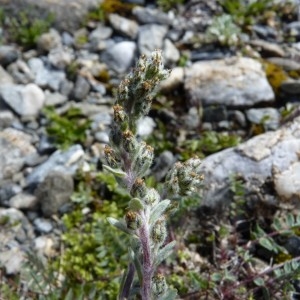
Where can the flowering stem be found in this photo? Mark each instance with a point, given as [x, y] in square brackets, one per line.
[147, 261]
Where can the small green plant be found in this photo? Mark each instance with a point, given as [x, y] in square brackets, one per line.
[244, 12]
[224, 31]
[67, 129]
[167, 5]
[129, 159]
[209, 143]
[25, 29]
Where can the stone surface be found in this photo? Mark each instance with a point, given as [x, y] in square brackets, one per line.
[256, 159]
[25, 100]
[15, 146]
[54, 191]
[124, 26]
[234, 82]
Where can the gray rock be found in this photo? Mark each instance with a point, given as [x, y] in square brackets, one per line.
[65, 161]
[287, 183]
[114, 57]
[102, 137]
[100, 33]
[54, 99]
[21, 73]
[8, 55]
[7, 191]
[290, 90]
[15, 146]
[49, 40]
[5, 77]
[23, 201]
[44, 77]
[145, 126]
[151, 37]
[170, 52]
[6, 119]
[66, 87]
[81, 88]
[25, 100]
[268, 48]
[68, 14]
[147, 15]
[163, 164]
[12, 260]
[175, 80]
[268, 156]
[54, 191]
[124, 26]
[43, 225]
[286, 63]
[234, 82]
[60, 57]
[268, 117]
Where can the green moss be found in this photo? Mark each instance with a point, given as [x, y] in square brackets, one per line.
[26, 29]
[167, 5]
[67, 129]
[275, 75]
[209, 142]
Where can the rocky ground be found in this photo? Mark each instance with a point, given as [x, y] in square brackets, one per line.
[242, 82]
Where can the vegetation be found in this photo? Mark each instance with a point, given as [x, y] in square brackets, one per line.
[68, 128]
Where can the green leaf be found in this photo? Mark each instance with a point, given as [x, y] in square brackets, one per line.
[277, 224]
[164, 252]
[259, 281]
[158, 211]
[169, 295]
[135, 204]
[266, 243]
[120, 225]
[138, 266]
[290, 220]
[116, 172]
[216, 277]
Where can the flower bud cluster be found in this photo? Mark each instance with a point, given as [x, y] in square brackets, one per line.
[184, 178]
[159, 285]
[149, 196]
[136, 91]
[159, 232]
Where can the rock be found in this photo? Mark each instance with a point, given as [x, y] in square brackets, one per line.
[268, 117]
[114, 57]
[287, 184]
[267, 49]
[65, 161]
[60, 57]
[171, 54]
[265, 32]
[81, 88]
[23, 201]
[25, 100]
[174, 81]
[7, 191]
[151, 37]
[12, 260]
[54, 99]
[48, 41]
[8, 55]
[289, 91]
[6, 119]
[68, 14]
[147, 15]
[5, 78]
[46, 78]
[43, 225]
[145, 126]
[255, 160]
[54, 191]
[285, 63]
[162, 165]
[124, 26]
[21, 73]
[102, 137]
[15, 146]
[100, 33]
[234, 82]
